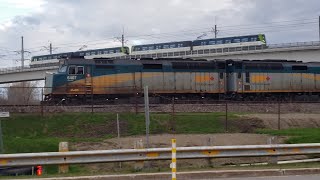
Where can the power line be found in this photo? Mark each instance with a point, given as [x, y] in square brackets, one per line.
[192, 32]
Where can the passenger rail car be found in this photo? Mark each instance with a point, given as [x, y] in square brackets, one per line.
[160, 50]
[53, 59]
[105, 79]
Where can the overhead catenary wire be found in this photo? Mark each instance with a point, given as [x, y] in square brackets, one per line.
[197, 30]
[190, 34]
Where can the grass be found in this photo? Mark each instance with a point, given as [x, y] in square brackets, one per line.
[296, 135]
[25, 133]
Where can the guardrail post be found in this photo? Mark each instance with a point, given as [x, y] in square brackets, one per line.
[63, 147]
[272, 159]
[138, 165]
[210, 160]
[174, 159]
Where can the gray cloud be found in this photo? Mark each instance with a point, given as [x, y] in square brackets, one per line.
[76, 21]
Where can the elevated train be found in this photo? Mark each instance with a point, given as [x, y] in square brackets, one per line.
[85, 80]
[169, 49]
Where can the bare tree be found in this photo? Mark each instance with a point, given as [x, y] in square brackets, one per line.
[23, 93]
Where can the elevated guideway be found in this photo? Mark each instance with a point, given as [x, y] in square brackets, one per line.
[19, 74]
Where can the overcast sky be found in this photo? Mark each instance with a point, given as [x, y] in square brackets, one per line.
[70, 24]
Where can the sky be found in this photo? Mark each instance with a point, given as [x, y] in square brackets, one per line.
[72, 24]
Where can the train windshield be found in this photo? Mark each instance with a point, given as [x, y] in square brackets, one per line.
[63, 69]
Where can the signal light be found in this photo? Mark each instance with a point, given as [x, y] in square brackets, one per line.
[39, 170]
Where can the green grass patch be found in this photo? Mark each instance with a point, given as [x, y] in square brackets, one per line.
[25, 133]
[296, 135]
[32, 133]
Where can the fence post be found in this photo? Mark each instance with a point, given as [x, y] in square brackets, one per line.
[136, 99]
[92, 103]
[119, 142]
[173, 126]
[226, 123]
[41, 103]
[174, 159]
[63, 147]
[279, 122]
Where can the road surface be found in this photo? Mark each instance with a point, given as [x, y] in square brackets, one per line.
[304, 177]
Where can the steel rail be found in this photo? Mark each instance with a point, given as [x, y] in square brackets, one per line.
[103, 156]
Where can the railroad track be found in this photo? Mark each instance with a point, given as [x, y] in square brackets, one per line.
[169, 103]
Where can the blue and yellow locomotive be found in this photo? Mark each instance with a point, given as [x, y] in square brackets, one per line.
[100, 79]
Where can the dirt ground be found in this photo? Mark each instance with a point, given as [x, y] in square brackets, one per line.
[183, 140]
[292, 120]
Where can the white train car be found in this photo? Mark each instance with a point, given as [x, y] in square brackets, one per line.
[238, 41]
[161, 48]
[53, 59]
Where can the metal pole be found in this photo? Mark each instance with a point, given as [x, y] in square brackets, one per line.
[136, 100]
[22, 53]
[174, 159]
[319, 28]
[173, 116]
[279, 125]
[215, 31]
[50, 48]
[226, 123]
[147, 115]
[41, 102]
[1, 139]
[118, 129]
[91, 97]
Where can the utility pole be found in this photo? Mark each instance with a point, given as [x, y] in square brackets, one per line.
[215, 31]
[146, 112]
[50, 48]
[22, 53]
[122, 39]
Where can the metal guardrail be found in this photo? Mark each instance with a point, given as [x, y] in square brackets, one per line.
[102, 156]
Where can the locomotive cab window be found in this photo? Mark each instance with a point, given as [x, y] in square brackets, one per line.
[80, 70]
[76, 70]
[72, 70]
